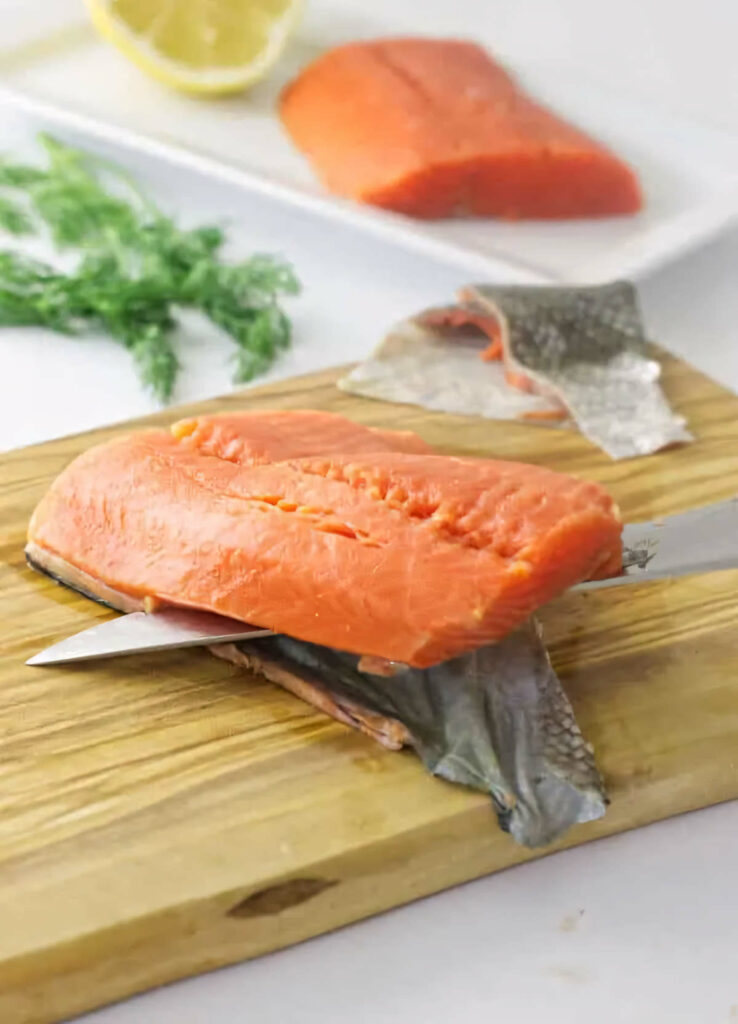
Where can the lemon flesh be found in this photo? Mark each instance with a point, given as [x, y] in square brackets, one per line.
[199, 46]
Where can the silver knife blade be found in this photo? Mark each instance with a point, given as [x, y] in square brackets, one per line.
[701, 540]
[138, 632]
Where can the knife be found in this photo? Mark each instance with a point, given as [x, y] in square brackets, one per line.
[138, 632]
[701, 540]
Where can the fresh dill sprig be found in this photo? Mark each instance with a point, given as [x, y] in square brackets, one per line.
[136, 265]
[13, 175]
[13, 218]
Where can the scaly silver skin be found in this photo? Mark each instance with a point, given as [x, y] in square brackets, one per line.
[439, 368]
[496, 719]
[587, 347]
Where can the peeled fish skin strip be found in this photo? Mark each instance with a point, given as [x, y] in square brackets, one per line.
[587, 347]
[496, 719]
[465, 314]
[418, 365]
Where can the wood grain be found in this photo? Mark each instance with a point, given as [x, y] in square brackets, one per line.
[164, 815]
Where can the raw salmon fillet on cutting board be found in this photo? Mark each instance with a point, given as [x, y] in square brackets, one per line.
[311, 525]
[436, 128]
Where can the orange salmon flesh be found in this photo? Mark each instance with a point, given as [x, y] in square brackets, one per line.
[311, 525]
[435, 128]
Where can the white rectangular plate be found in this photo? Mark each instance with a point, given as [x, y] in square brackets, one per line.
[355, 283]
[689, 171]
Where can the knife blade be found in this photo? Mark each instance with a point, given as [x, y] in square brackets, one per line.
[138, 632]
[701, 540]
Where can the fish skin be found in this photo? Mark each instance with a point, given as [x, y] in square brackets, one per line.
[437, 368]
[466, 314]
[586, 346]
[496, 720]
[308, 686]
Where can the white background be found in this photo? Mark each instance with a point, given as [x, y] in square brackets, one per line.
[637, 928]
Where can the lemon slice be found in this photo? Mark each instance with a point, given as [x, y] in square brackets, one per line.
[199, 46]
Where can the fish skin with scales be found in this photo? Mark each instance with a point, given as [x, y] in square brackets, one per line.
[496, 720]
[587, 347]
[580, 356]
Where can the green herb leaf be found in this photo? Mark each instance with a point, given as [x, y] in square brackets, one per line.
[156, 360]
[13, 218]
[137, 266]
[19, 175]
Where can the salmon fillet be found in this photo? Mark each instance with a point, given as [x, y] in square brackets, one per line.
[436, 128]
[275, 435]
[398, 554]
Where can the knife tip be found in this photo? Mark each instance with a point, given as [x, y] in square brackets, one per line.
[37, 659]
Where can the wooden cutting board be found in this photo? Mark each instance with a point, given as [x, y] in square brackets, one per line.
[164, 815]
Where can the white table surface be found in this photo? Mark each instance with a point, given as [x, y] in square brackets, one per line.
[638, 928]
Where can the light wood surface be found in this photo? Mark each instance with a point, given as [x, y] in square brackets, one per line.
[164, 815]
